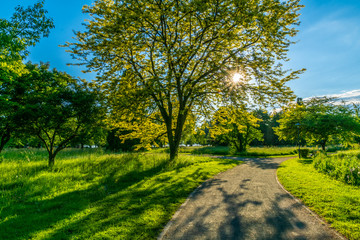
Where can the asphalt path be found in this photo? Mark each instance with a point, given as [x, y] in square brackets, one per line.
[246, 202]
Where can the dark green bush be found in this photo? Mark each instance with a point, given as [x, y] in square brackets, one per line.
[304, 152]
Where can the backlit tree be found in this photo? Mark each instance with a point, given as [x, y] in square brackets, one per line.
[168, 58]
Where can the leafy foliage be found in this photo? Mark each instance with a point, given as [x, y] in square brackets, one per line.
[57, 108]
[319, 121]
[343, 166]
[162, 60]
[24, 29]
[236, 126]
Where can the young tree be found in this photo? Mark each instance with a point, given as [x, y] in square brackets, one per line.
[58, 108]
[236, 126]
[24, 29]
[319, 121]
[175, 57]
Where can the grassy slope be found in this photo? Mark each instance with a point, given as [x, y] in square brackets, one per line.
[96, 196]
[337, 202]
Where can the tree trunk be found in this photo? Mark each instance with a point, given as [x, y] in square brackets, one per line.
[174, 151]
[242, 146]
[323, 144]
[51, 159]
[174, 139]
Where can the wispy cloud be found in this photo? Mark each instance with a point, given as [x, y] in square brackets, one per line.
[349, 94]
[349, 97]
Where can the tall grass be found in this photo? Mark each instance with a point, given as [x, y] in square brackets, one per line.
[40, 154]
[90, 194]
[344, 166]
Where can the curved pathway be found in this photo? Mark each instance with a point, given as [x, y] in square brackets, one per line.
[245, 202]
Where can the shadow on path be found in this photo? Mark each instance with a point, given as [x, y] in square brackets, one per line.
[245, 202]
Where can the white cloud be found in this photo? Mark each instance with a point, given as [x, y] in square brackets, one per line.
[348, 94]
[349, 97]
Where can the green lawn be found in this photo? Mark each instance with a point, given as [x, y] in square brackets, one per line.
[337, 202]
[223, 150]
[93, 195]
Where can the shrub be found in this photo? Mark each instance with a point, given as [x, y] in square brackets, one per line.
[304, 152]
[344, 166]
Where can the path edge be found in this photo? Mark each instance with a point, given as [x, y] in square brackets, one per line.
[183, 205]
[314, 214]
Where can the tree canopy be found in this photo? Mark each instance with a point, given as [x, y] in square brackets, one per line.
[319, 121]
[169, 58]
[58, 108]
[237, 126]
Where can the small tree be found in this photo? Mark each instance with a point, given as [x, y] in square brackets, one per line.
[319, 121]
[58, 108]
[236, 126]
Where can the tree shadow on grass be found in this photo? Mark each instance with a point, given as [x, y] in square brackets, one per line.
[143, 211]
[121, 207]
[23, 218]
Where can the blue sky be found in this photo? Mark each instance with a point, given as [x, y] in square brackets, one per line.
[328, 44]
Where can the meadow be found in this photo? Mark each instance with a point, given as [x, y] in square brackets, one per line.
[90, 194]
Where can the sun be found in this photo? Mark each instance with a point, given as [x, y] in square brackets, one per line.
[236, 78]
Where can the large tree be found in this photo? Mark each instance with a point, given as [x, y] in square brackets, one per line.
[318, 121]
[173, 57]
[25, 28]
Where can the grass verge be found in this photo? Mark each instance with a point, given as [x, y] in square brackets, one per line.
[97, 196]
[337, 202]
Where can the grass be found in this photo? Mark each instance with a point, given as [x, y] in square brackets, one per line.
[93, 195]
[223, 150]
[338, 203]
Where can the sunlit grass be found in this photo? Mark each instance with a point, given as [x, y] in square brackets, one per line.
[92, 195]
[337, 202]
[223, 150]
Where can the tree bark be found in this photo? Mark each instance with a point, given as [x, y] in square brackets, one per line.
[174, 142]
[323, 145]
[51, 159]
[174, 151]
